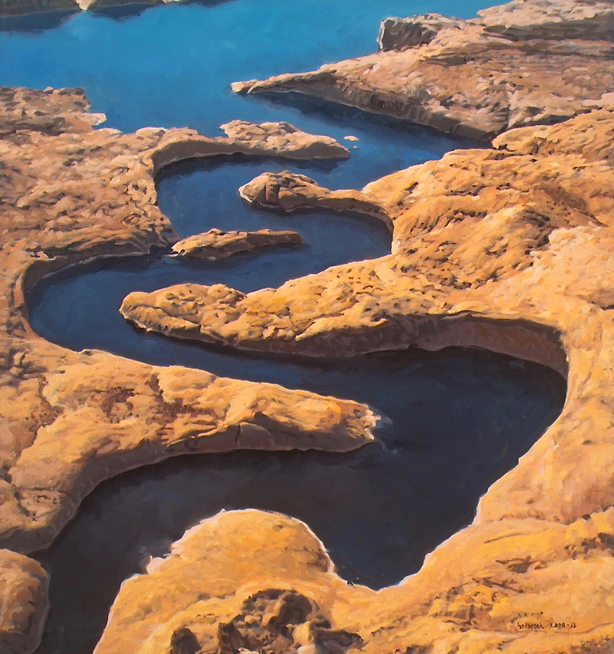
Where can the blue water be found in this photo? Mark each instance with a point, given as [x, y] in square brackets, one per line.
[453, 422]
[173, 66]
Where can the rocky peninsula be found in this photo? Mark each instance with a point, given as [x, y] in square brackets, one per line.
[508, 248]
[524, 63]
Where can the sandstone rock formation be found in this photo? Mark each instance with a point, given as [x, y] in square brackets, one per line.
[264, 139]
[217, 244]
[51, 112]
[524, 63]
[512, 249]
[23, 603]
[268, 599]
[277, 592]
[68, 420]
[283, 139]
[403, 33]
[551, 19]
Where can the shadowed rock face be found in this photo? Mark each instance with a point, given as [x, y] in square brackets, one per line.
[523, 63]
[217, 244]
[402, 33]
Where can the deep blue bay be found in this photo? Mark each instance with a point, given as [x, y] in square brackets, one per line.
[453, 421]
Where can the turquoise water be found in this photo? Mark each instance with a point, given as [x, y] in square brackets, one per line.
[454, 421]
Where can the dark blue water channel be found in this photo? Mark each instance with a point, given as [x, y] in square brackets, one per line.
[454, 421]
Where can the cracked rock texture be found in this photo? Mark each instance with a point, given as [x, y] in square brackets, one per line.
[523, 63]
[217, 244]
[69, 420]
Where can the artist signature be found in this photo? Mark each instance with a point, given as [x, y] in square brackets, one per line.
[546, 625]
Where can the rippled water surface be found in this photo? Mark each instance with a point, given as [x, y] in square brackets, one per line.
[453, 422]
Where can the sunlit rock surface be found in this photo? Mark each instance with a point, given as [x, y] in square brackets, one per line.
[512, 249]
[288, 191]
[523, 63]
[249, 581]
[508, 248]
[284, 138]
[217, 244]
[23, 603]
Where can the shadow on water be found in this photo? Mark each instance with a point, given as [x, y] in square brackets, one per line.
[134, 9]
[36, 22]
[334, 112]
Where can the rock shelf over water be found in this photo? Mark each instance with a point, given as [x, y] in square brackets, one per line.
[524, 63]
[511, 249]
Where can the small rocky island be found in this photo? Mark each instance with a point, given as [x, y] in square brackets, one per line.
[508, 247]
[217, 244]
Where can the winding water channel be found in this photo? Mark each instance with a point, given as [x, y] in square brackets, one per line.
[455, 421]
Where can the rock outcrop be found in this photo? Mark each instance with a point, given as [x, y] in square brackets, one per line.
[519, 20]
[551, 19]
[265, 596]
[509, 248]
[217, 244]
[524, 63]
[23, 603]
[284, 139]
[264, 139]
[288, 191]
[403, 33]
